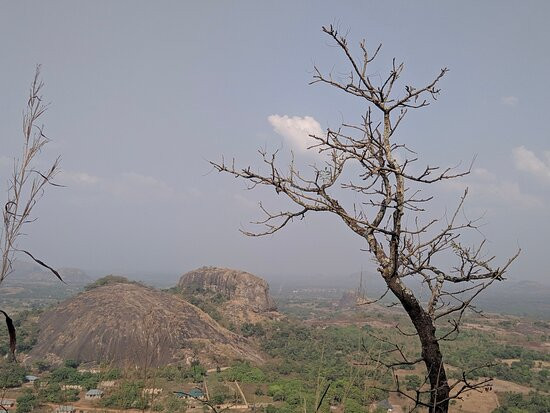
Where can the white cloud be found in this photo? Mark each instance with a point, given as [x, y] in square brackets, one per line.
[487, 188]
[296, 130]
[527, 161]
[509, 100]
[511, 192]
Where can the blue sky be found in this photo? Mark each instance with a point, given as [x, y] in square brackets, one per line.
[143, 94]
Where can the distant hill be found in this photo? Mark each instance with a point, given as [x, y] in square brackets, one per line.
[511, 296]
[29, 273]
[232, 296]
[525, 298]
[31, 286]
[129, 324]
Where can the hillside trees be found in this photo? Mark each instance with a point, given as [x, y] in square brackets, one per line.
[27, 402]
[26, 186]
[368, 161]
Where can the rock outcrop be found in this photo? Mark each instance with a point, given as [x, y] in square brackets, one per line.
[239, 297]
[134, 325]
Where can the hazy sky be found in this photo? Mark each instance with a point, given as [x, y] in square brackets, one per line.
[143, 94]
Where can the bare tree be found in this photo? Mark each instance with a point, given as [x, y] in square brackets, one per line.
[402, 242]
[26, 187]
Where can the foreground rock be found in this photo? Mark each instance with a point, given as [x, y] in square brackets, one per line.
[128, 324]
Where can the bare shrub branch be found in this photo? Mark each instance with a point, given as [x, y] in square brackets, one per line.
[26, 186]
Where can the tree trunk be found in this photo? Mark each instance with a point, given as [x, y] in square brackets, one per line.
[431, 353]
[439, 396]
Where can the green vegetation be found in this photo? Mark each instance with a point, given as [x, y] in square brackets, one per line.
[127, 396]
[197, 371]
[304, 353]
[244, 373]
[519, 403]
[112, 373]
[412, 382]
[42, 366]
[252, 330]
[182, 373]
[73, 364]
[27, 402]
[27, 332]
[70, 375]
[11, 374]
[49, 389]
[206, 305]
[220, 392]
[204, 299]
[308, 360]
[174, 405]
[304, 350]
[481, 355]
[108, 279]
[288, 390]
[53, 393]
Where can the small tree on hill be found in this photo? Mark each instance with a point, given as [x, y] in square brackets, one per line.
[403, 243]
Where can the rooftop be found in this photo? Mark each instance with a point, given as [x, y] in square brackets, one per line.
[63, 409]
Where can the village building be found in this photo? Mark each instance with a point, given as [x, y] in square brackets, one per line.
[94, 394]
[106, 384]
[152, 391]
[191, 394]
[31, 379]
[71, 387]
[65, 409]
[93, 370]
[7, 403]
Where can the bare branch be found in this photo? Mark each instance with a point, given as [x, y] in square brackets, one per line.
[26, 187]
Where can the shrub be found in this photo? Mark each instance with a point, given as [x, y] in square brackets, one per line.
[27, 402]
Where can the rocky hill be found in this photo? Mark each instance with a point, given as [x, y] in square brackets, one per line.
[235, 296]
[129, 324]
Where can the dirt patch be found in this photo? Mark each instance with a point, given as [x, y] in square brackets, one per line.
[539, 364]
[476, 402]
[503, 386]
[510, 361]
